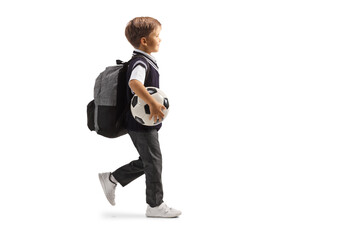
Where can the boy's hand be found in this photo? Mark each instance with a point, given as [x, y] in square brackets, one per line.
[156, 111]
[155, 107]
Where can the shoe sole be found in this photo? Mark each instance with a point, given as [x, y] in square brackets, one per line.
[102, 181]
[161, 216]
[173, 216]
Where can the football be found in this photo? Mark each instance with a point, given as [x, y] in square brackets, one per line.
[141, 111]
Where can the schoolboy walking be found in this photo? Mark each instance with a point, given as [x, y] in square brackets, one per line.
[143, 34]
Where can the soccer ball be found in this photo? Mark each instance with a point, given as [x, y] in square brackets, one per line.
[141, 111]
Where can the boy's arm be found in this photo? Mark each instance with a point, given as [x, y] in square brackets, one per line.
[155, 107]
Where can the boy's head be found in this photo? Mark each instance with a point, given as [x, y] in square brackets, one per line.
[143, 33]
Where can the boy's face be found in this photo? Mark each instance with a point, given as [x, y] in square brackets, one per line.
[153, 41]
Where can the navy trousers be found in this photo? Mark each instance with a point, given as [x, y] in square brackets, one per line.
[149, 162]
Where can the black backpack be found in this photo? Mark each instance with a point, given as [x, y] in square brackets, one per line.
[107, 112]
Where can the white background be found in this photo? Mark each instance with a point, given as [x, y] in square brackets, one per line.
[261, 142]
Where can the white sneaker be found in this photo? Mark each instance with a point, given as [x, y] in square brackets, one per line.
[162, 211]
[108, 187]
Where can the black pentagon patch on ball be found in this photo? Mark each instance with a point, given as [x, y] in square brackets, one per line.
[147, 109]
[166, 103]
[134, 101]
[139, 120]
[152, 90]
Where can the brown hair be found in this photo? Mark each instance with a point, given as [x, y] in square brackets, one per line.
[140, 27]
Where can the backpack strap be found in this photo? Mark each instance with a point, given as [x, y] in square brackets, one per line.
[119, 62]
[147, 67]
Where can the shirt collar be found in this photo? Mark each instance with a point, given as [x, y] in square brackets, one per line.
[146, 54]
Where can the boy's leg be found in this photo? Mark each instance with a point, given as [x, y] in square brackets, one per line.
[147, 145]
[129, 172]
[149, 162]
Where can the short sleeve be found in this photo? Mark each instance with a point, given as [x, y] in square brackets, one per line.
[138, 73]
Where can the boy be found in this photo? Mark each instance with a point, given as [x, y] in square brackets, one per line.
[143, 34]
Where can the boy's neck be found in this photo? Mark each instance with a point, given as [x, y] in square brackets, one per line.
[145, 53]
[142, 48]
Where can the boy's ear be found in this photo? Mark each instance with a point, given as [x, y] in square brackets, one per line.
[143, 41]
